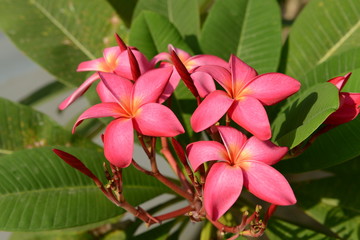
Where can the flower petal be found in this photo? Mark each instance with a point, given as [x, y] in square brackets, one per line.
[267, 183]
[262, 151]
[348, 110]
[204, 83]
[123, 68]
[119, 87]
[111, 55]
[149, 86]
[104, 93]
[79, 91]
[154, 119]
[119, 142]
[223, 186]
[170, 86]
[220, 74]
[204, 151]
[340, 82]
[241, 74]
[250, 114]
[94, 65]
[271, 88]
[214, 106]
[100, 110]
[203, 59]
[233, 140]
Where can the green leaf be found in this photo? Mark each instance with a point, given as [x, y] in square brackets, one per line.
[125, 9]
[183, 14]
[250, 29]
[305, 112]
[152, 33]
[158, 233]
[39, 192]
[54, 235]
[22, 127]
[58, 35]
[322, 30]
[339, 65]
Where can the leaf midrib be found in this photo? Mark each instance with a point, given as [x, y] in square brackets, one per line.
[63, 29]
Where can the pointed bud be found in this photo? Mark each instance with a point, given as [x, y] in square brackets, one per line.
[120, 42]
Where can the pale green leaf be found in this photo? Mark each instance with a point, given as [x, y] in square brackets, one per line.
[249, 29]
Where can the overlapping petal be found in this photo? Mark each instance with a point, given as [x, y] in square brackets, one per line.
[100, 110]
[204, 151]
[222, 188]
[267, 183]
[340, 82]
[104, 93]
[262, 151]
[204, 83]
[220, 74]
[154, 119]
[204, 59]
[98, 64]
[119, 142]
[233, 140]
[123, 67]
[149, 86]
[241, 74]
[348, 109]
[214, 106]
[250, 114]
[79, 91]
[271, 88]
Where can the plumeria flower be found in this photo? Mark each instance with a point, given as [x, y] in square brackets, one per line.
[135, 108]
[203, 82]
[115, 60]
[240, 162]
[349, 106]
[244, 96]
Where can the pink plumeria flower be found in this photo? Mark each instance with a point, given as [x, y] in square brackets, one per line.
[241, 162]
[203, 82]
[114, 60]
[244, 96]
[349, 106]
[135, 108]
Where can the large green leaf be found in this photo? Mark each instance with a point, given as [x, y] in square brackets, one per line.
[323, 29]
[250, 29]
[38, 191]
[184, 14]
[152, 33]
[22, 127]
[60, 34]
[305, 112]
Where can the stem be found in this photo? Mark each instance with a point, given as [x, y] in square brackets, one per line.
[176, 213]
[141, 140]
[153, 155]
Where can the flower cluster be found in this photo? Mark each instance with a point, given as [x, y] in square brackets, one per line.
[133, 90]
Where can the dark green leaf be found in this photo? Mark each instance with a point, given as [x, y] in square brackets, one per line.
[60, 34]
[38, 191]
[304, 114]
[158, 233]
[249, 29]
[322, 30]
[152, 33]
[125, 9]
[53, 235]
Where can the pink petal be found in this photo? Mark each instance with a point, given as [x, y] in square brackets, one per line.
[104, 93]
[100, 110]
[119, 142]
[271, 88]
[156, 120]
[203, 59]
[340, 82]
[220, 74]
[223, 186]
[348, 110]
[262, 151]
[204, 151]
[233, 140]
[164, 56]
[204, 83]
[150, 85]
[181, 53]
[250, 114]
[214, 106]
[123, 68]
[241, 73]
[267, 183]
[119, 87]
[79, 91]
[170, 86]
[110, 55]
[94, 65]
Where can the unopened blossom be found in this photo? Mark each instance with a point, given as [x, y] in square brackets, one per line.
[114, 60]
[203, 82]
[349, 106]
[135, 107]
[245, 94]
[239, 162]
